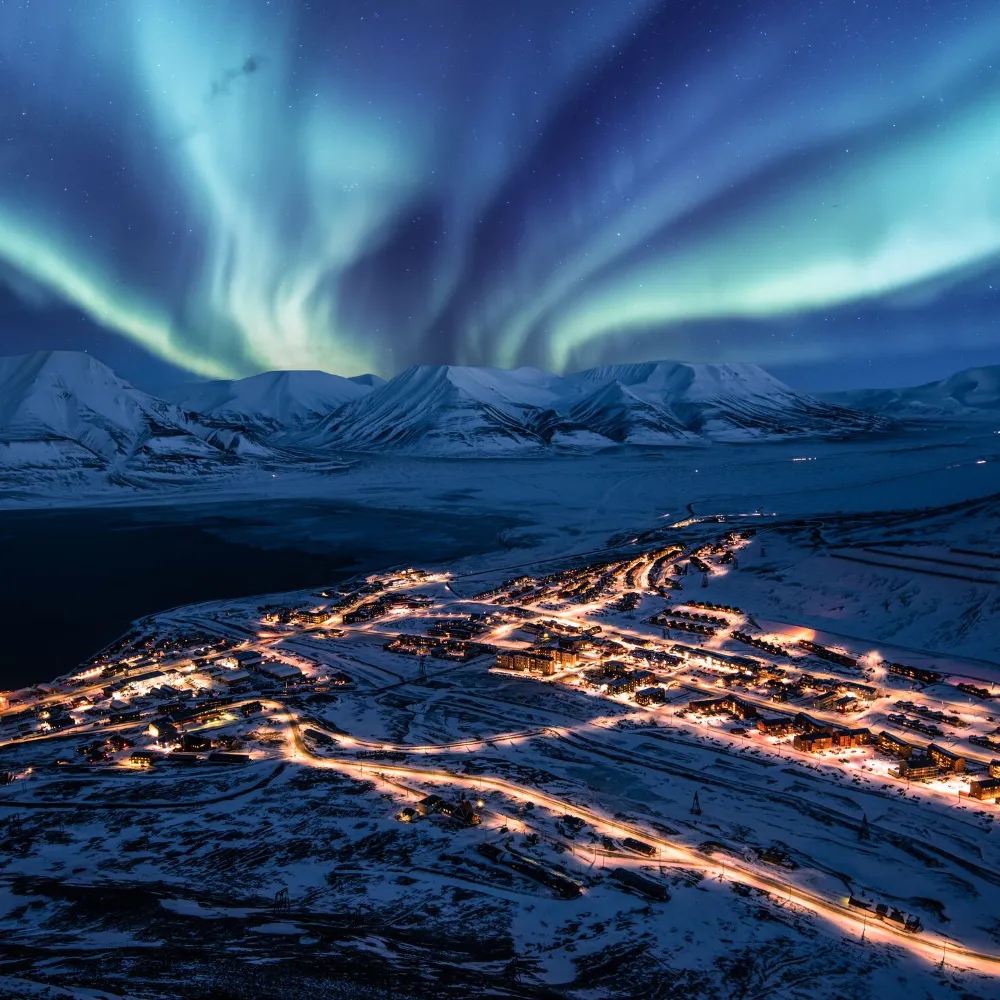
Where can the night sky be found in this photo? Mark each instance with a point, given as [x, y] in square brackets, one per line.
[220, 187]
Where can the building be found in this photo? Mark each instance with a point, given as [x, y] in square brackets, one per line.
[708, 706]
[853, 737]
[984, 788]
[233, 678]
[429, 804]
[893, 745]
[915, 673]
[628, 682]
[650, 696]
[641, 883]
[826, 701]
[227, 757]
[741, 709]
[917, 768]
[283, 672]
[995, 768]
[807, 724]
[165, 733]
[142, 759]
[813, 742]
[537, 659]
[729, 705]
[779, 725]
[947, 760]
[576, 644]
[614, 668]
[830, 655]
[192, 743]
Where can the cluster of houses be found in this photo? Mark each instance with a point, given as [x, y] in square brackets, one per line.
[540, 659]
[462, 811]
[932, 714]
[987, 788]
[458, 650]
[829, 655]
[757, 643]
[378, 608]
[983, 694]
[914, 673]
[813, 736]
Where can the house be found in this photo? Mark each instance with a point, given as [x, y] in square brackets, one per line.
[192, 742]
[233, 678]
[729, 705]
[984, 788]
[430, 804]
[227, 757]
[916, 768]
[614, 668]
[995, 768]
[142, 759]
[826, 701]
[650, 696]
[813, 742]
[284, 672]
[708, 706]
[807, 724]
[628, 682]
[776, 726]
[852, 737]
[740, 709]
[639, 846]
[947, 760]
[462, 811]
[916, 673]
[893, 745]
[642, 884]
[537, 659]
[165, 733]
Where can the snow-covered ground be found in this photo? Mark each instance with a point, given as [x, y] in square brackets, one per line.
[186, 866]
[172, 881]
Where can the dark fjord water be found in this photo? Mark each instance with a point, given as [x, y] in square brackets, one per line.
[73, 580]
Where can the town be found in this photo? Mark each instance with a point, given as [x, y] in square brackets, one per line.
[434, 689]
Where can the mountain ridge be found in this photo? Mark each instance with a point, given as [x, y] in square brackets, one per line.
[965, 394]
[74, 400]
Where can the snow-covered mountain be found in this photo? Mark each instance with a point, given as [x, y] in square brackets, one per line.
[65, 410]
[965, 395]
[451, 409]
[719, 402]
[61, 409]
[445, 408]
[274, 402]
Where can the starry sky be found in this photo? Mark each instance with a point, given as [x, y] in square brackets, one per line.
[213, 188]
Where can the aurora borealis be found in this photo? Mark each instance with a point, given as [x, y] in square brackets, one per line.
[241, 185]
